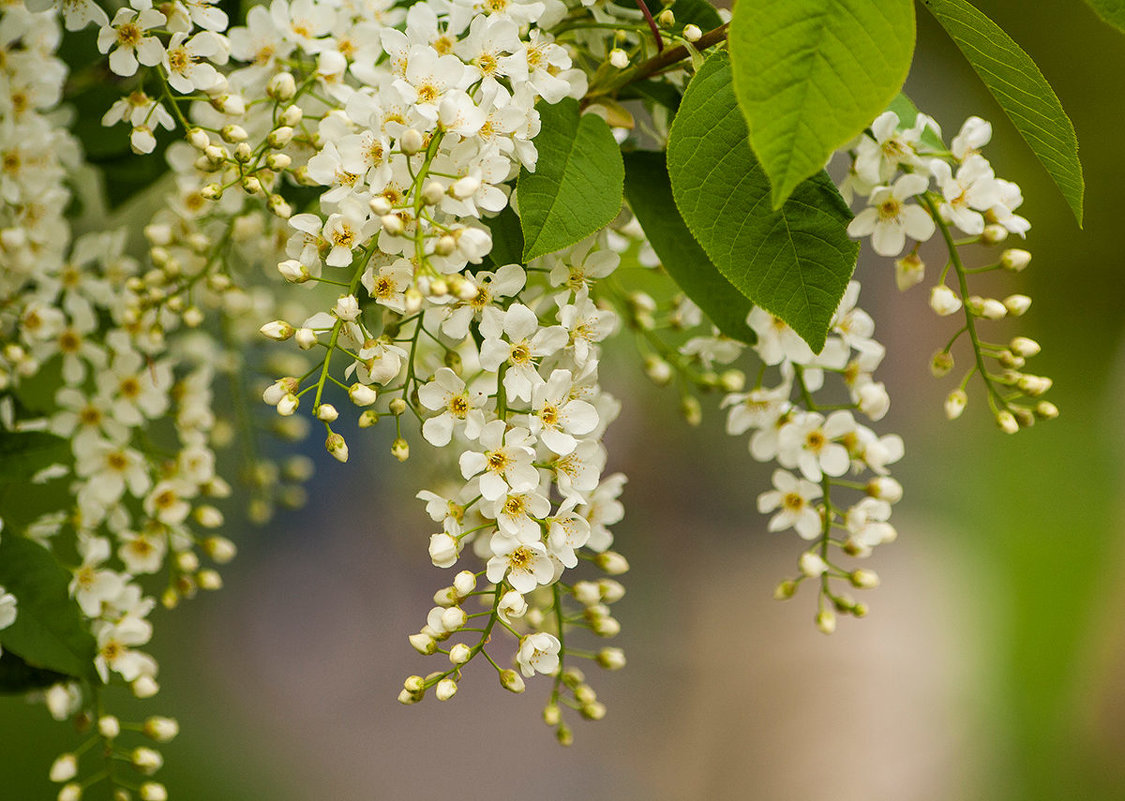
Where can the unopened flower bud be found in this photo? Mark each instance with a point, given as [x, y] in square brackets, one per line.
[619, 58]
[460, 653]
[1034, 384]
[666, 18]
[145, 687]
[397, 406]
[251, 185]
[278, 161]
[445, 245]
[278, 330]
[1007, 422]
[220, 549]
[64, 768]
[282, 87]
[657, 370]
[692, 33]
[362, 394]
[412, 300]
[864, 579]
[692, 411]
[1046, 410]
[944, 301]
[1017, 304]
[446, 689]
[612, 563]
[611, 658]
[392, 224]
[209, 580]
[153, 791]
[198, 139]
[161, 729]
[70, 792]
[432, 193]
[234, 134]
[552, 714]
[941, 364]
[288, 405]
[465, 187]
[109, 726]
[281, 136]
[411, 141]
[305, 338]
[511, 681]
[291, 116]
[812, 564]
[336, 446]
[464, 583]
[146, 760]
[1015, 259]
[293, 271]
[369, 418]
[885, 488]
[211, 192]
[826, 621]
[326, 413]
[423, 643]
[955, 403]
[380, 206]
[994, 234]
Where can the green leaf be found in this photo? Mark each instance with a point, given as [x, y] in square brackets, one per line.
[649, 192]
[794, 262]
[16, 676]
[1020, 89]
[578, 183]
[507, 238]
[1111, 11]
[48, 632]
[696, 12]
[24, 453]
[812, 74]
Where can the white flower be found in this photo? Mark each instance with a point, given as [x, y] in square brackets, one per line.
[806, 443]
[539, 653]
[444, 550]
[970, 192]
[8, 605]
[447, 392]
[889, 219]
[186, 61]
[794, 496]
[525, 566]
[517, 515]
[125, 36]
[527, 342]
[505, 461]
[555, 418]
[777, 342]
[512, 605]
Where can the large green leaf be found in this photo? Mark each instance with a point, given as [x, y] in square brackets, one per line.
[507, 238]
[48, 632]
[649, 192]
[794, 262]
[812, 74]
[1020, 89]
[1112, 11]
[578, 183]
[23, 453]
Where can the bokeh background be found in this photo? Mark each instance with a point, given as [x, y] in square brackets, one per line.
[991, 666]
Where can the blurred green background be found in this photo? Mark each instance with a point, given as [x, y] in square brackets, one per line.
[992, 664]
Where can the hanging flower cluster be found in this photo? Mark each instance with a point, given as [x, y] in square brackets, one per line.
[331, 240]
[914, 187]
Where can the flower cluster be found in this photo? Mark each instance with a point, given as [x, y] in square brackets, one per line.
[914, 187]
